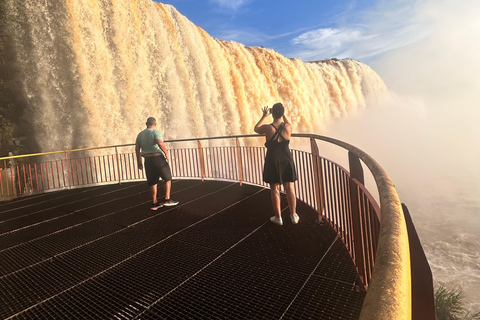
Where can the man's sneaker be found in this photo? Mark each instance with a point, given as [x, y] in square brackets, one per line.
[170, 203]
[155, 206]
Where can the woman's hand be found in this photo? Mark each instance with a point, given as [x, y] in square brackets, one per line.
[266, 111]
[258, 126]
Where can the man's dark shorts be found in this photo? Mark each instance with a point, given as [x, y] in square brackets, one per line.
[157, 167]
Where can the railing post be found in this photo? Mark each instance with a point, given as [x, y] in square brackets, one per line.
[423, 298]
[356, 173]
[68, 172]
[318, 179]
[202, 160]
[118, 166]
[239, 161]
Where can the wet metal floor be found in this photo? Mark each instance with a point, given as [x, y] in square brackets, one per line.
[100, 253]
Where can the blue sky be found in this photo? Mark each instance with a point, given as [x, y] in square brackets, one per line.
[311, 29]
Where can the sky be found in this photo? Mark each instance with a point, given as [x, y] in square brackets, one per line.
[310, 29]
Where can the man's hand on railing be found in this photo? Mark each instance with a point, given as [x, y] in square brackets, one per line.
[140, 166]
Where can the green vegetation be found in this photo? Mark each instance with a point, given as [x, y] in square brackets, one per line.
[449, 306]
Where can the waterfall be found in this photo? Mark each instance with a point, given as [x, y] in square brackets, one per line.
[91, 72]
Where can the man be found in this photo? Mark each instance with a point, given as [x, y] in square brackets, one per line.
[150, 142]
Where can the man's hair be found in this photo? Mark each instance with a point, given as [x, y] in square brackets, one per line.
[278, 110]
[151, 121]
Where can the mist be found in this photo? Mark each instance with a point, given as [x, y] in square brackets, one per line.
[426, 135]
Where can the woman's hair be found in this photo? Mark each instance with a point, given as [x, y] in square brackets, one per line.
[278, 110]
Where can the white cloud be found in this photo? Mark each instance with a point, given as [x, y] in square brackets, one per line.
[364, 35]
[329, 42]
[230, 4]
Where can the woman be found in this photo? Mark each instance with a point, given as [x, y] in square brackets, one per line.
[279, 166]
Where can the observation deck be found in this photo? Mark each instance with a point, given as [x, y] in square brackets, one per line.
[100, 253]
[94, 250]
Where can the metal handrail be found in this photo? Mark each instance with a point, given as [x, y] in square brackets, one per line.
[337, 195]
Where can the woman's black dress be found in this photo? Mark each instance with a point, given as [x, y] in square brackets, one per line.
[279, 166]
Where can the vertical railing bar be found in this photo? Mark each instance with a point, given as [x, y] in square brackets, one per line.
[217, 162]
[178, 164]
[128, 166]
[344, 207]
[85, 181]
[12, 178]
[225, 165]
[63, 174]
[58, 173]
[36, 175]
[1, 182]
[95, 166]
[234, 163]
[174, 164]
[194, 163]
[131, 167]
[337, 201]
[327, 190]
[298, 186]
[254, 169]
[185, 165]
[91, 169]
[104, 170]
[304, 175]
[46, 174]
[188, 161]
[311, 180]
[259, 169]
[365, 234]
[251, 172]
[369, 235]
[362, 233]
[68, 170]
[334, 195]
[19, 180]
[248, 164]
[119, 168]
[6, 176]
[76, 170]
[111, 167]
[52, 173]
[24, 177]
[221, 168]
[201, 160]
[329, 193]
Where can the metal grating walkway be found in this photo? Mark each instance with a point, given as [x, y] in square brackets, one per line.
[100, 253]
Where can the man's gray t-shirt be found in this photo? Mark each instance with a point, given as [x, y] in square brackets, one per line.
[147, 140]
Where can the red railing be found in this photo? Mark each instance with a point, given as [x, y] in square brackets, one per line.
[338, 195]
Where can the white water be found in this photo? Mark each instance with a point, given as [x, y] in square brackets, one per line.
[94, 71]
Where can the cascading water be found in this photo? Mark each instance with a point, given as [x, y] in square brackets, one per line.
[92, 72]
